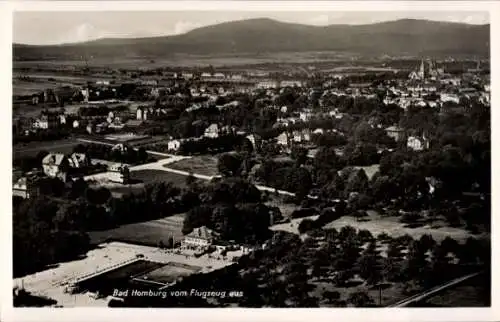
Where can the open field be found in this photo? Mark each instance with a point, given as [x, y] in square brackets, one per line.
[191, 60]
[377, 225]
[31, 149]
[149, 232]
[285, 208]
[204, 164]
[158, 175]
[27, 88]
[292, 226]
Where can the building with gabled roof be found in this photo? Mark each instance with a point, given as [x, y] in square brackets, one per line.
[25, 187]
[395, 132]
[56, 165]
[199, 237]
[79, 160]
[212, 131]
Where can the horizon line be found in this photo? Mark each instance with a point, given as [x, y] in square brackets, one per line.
[241, 20]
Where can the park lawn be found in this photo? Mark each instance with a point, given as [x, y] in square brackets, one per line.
[285, 208]
[377, 224]
[147, 176]
[203, 164]
[144, 233]
[292, 226]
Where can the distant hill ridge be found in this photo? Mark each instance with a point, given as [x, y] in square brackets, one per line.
[262, 35]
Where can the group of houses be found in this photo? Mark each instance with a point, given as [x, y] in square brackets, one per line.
[65, 168]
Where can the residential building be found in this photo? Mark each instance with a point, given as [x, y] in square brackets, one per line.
[90, 128]
[56, 165]
[79, 160]
[256, 141]
[283, 139]
[174, 145]
[266, 84]
[291, 83]
[46, 122]
[119, 173]
[395, 132]
[25, 187]
[449, 97]
[417, 143]
[305, 115]
[212, 131]
[134, 123]
[142, 113]
[301, 136]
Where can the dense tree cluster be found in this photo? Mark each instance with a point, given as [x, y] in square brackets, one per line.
[286, 274]
[232, 207]
[42, 135]
[126, 155]
[37, 238]
[206, 145]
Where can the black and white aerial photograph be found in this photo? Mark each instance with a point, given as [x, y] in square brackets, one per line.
[251, 159]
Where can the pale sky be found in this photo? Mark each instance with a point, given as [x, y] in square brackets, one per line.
[65, 27]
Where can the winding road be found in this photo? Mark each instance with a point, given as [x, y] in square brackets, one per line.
[160, 165]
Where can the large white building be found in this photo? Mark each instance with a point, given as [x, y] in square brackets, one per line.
[200, 237]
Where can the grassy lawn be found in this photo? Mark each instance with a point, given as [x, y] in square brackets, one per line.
[147, 176]
[149, 232]
[204, 164]
[285, 208]
[292, 226]
[377, 224]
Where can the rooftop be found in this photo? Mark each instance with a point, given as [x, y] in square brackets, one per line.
[202, 233]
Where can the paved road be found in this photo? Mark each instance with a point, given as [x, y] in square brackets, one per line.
[171, 158]
[158, 165]
[432, 291]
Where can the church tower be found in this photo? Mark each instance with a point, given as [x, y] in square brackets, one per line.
[421, 72]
